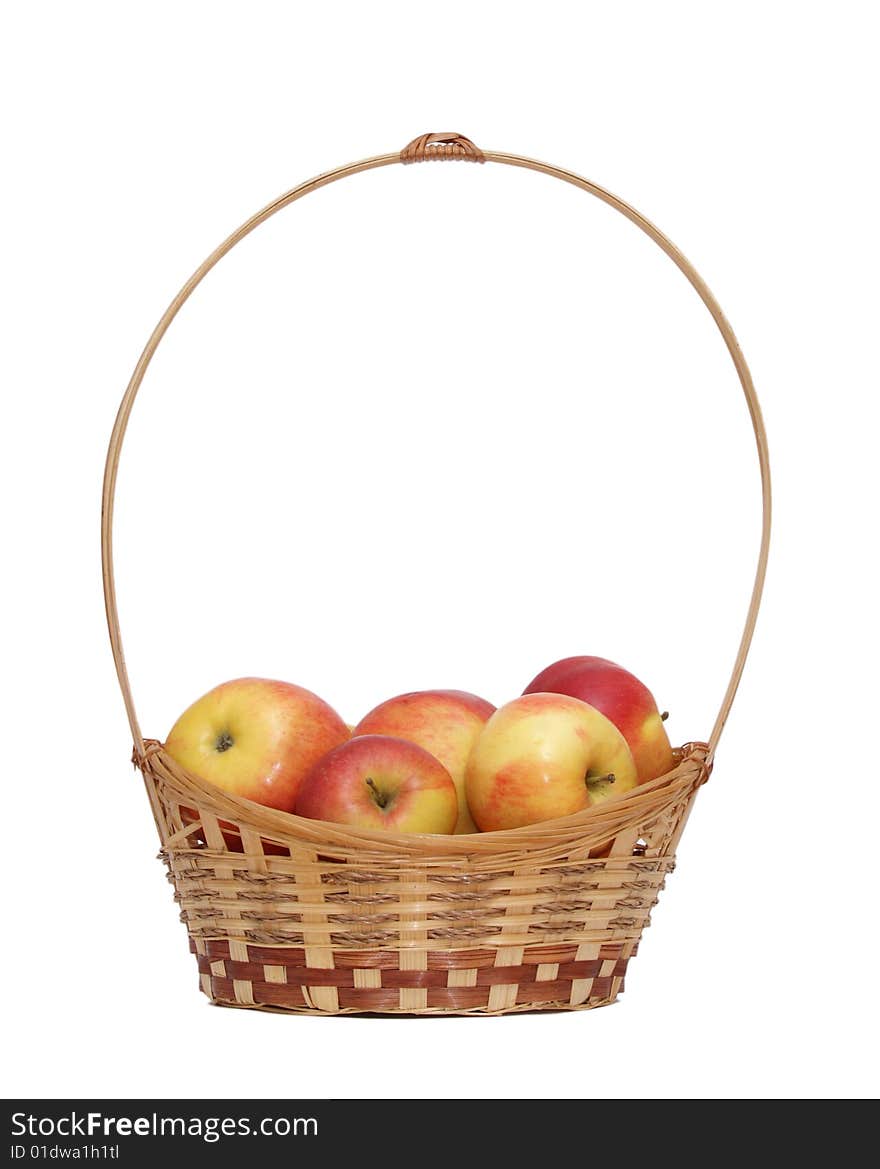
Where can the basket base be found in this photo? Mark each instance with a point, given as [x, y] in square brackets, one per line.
[454, 982]
[428, 1013]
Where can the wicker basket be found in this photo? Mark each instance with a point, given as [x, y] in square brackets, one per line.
[298, 915]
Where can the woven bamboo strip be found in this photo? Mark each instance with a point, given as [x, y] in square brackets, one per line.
[413, 938]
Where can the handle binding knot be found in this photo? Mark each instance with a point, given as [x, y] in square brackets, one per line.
[431, 147]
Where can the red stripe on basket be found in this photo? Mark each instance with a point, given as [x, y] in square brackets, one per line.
[539, 955]
[460, 959]
[545, 992]
[495, 975]
[402, 979]
[366, 959]
[612, 950]
[293, 958]
[214, 949]
[221, 988]
[392, 977]
[277, 955]
[295, 975]
[459, 998]
[588, 969]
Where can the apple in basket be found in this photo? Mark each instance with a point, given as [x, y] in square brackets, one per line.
[621, 697]
[256, 738]
[542, 756]
[377, 781]
[445, 723]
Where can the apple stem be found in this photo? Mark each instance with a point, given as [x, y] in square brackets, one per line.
[664, 716]
[589, 780]
[380, 799]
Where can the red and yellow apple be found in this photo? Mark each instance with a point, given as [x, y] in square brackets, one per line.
[256, 738]
[542, 756]
[445, 723]
[621, 697]
[377, 781]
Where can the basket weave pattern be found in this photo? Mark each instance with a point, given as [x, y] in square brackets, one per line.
[302, 916]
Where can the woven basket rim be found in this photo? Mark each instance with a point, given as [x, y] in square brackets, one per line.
[286, 828]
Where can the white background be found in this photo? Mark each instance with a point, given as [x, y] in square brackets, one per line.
[438, 426]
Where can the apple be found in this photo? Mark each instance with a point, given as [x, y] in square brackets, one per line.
[621, 697]
[256, 738]
[377, 781]
[443, 722]
[542, 756]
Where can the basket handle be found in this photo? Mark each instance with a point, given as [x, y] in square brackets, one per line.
[438, 146]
